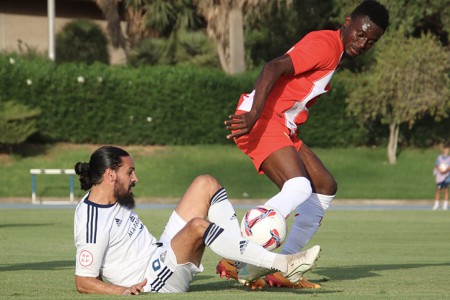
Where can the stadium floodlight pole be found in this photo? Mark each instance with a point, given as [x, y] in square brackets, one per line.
[51, 28]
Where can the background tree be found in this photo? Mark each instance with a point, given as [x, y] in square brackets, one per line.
[136, 19]
[405, 15]
[110, 10]
[409, 81]
[225, 25]
[17, 123]
[192, 47]
[171, 33]
[136, 15]
[274, 30]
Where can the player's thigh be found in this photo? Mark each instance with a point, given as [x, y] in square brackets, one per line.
[321, 179]
[188, 244]
[185, 238]
[267, 137]
[284, 164]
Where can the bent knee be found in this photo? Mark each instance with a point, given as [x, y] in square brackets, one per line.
[206, 181]
[197, 226]
[326, 186]
[332, 187]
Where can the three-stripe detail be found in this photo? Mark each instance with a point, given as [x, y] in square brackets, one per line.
[211, 233]
[91, 224]
[161, 279]
[219, 196]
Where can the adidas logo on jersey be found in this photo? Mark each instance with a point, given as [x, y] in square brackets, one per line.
[242, 246]
[118, 221]
[162, 256]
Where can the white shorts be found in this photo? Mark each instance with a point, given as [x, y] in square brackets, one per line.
[164, 274]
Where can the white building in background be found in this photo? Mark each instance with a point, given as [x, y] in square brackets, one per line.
[26, 22]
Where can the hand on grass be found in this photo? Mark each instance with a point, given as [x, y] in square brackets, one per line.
[136, 289]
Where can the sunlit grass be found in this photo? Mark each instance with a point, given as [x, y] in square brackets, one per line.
[365, 255]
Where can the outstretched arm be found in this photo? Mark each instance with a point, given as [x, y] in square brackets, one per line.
[94, 285]
[242, 124]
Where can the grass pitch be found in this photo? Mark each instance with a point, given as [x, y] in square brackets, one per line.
[366, 255]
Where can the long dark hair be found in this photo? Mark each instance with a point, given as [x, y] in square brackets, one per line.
[107, 157]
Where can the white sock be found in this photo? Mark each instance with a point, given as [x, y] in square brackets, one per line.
[280, 263]
[294, 192]
[306, 222]
[222, 212]
[234, 247]
[436, 204]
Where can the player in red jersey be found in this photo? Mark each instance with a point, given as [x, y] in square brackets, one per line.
[264, 125]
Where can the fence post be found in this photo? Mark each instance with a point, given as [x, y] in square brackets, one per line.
[33, 188]
[72, 183]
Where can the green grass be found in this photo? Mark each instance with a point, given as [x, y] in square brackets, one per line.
[362, 173]
[366, 255]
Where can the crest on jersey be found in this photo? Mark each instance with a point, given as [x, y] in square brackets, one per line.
[85, 258]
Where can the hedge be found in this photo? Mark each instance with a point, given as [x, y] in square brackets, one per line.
[100, 104]
[168, 105]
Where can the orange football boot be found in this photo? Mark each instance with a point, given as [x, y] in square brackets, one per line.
[227, 268]
[278, 280]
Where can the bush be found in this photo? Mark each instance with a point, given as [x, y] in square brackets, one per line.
[149, 52]
[17, 122]
[81, 41]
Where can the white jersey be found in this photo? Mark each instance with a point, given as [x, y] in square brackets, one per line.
[112, 242]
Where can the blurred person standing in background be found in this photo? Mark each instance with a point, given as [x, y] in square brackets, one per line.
[441, 174]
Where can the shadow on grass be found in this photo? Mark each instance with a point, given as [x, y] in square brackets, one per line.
[25, 225]
[233, 285]
[39, 266]
[364, 271]
[26, 149]
[335, 273]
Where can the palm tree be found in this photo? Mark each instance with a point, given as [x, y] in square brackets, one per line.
[136, 18]
[110, 10]
[144, 19]
[168, 18]
[148, 19]
[225, 25]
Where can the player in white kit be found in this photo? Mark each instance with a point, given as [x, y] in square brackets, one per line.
[116, 254]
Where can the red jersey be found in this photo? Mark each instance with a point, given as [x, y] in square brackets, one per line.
[315, 58]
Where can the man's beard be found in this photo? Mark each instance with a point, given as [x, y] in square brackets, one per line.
[124, 197]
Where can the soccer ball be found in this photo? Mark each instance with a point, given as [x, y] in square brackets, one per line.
[442, 167]
[265, 226]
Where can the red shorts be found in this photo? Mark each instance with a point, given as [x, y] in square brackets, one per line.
[266, 137]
